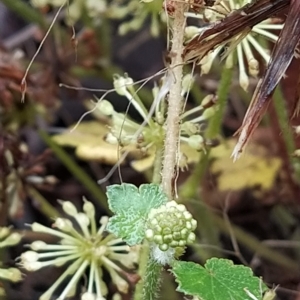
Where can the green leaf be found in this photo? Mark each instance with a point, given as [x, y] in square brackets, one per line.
[131, 206]
[218, 279]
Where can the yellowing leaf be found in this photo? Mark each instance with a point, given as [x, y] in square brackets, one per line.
[254, 168]
[88, 139]
[145, 163]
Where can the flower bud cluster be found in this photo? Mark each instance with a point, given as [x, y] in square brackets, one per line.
[140, 11]
[150, 135]
[125, 131]
[192, 128]
[8, 239]
[94, 8]
[170, 226]
[246, 45]
[83, 245]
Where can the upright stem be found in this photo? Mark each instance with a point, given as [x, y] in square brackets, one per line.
[175, 101]
[285, 139]
[151, 271]
[215, 124]
[25, 11]
[152, 280]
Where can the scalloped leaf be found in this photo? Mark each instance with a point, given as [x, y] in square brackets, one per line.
[218, 279]
[131, 206]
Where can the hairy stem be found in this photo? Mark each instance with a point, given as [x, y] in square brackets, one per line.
[157, 166]
[152, 280]
[147, 271]
[175, 101]
[143, 262]
[150, 270]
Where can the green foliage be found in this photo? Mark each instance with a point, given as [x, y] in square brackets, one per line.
[131, 206]
[218, 279]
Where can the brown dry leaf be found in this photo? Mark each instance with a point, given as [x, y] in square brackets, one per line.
[254, 169]
[281, 57]
[240, 20]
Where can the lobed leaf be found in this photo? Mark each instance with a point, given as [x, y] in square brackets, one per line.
[218, 279]
[131, 206]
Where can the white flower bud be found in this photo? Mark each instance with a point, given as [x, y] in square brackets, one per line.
[149, 234]
[32, 266]
[158, 239]
[35, 179]
[106, 107]
[174, 244]
[181, 207]
[37, 227]
[191, 31]
[111, 139]
[153, 222]
[171, 203]
[191, 238]
[253, 66]
[163, 247]
[13, 239]
[68, 207]
[297, 129]
[121, 284]
[104, 220]
[4, 231]
[12, 274]
[29, 257]
[121, 83]
[88, 296]
[244, 81]
[38, 245]
[89, 209]
[82, 219]
[182, 243]
[196, 142]
[188, 216]
[194, 224]
[297, 153]
[116, 296]
[63, 224]
[207, 61]
[95, 7]
[74, 12]
[187, 83]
